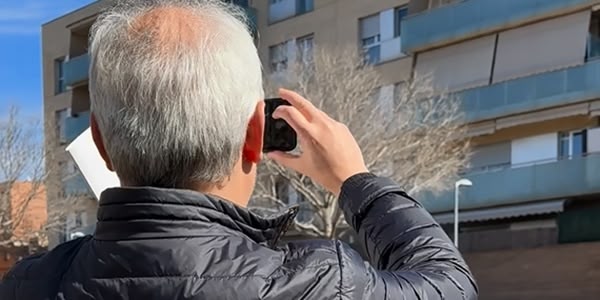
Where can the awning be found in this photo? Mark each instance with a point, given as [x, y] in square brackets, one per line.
[536, 208]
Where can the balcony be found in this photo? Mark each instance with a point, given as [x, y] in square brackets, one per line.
[285, 9]
[76, 69]
[540, 91]
[469, 18]
[520, 184]
[75, 125]
[75, 186]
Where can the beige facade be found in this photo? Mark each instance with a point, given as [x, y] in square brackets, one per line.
[333, 23]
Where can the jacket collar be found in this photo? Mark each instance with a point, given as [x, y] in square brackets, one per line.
[145, 212]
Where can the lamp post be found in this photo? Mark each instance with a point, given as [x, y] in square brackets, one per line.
[457, 185]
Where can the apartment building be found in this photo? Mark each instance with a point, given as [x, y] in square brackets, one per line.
[528, 76]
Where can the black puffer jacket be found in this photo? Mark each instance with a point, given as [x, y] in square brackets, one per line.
[171, 244]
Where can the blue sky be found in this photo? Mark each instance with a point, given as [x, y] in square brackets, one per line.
[20, 50]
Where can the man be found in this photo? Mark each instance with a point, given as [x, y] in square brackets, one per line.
[177, 113]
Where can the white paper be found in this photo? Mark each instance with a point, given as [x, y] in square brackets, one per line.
[90, 163]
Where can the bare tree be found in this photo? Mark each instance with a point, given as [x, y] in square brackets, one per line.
[411, 133]
[24, 218]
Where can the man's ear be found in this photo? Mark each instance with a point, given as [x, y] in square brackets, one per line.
[253, 144]
[97, 137]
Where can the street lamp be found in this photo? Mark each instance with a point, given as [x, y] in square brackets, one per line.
[457, 185]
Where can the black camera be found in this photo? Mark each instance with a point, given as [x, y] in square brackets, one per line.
[279, 135]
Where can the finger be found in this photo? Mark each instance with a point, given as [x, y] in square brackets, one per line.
[300, 103]
[285, 159]
[296, 120]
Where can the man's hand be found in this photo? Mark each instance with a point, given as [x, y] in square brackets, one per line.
[330, 154]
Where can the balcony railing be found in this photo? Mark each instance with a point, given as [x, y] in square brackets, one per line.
[76, 69]
[474, 17]
[533, 181]
[289, 8]
[75, 125]
[540, 91]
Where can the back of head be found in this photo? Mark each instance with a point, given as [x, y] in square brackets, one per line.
[173, 85]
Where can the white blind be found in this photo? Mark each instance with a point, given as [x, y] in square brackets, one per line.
[534, 149]
[490, 155]
[593, 140]
[542, 47]
[369, 26]
[460, 66]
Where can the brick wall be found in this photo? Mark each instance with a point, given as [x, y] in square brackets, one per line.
[35, 215]
[549, 273]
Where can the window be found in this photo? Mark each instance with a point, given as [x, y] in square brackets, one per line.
[399, 14]
[371, 38]
[593, 43]
[304, 6]
[78, 219]
[70, 223]
[61, 119]
[68, 169]
[572, 144]
[59, 76]
[278, 57]
[305, 49]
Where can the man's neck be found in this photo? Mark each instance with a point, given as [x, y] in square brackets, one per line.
[230, 196]
[231, 190]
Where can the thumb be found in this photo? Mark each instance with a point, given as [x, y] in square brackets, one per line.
[285, 159]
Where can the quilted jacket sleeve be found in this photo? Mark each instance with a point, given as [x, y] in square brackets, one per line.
[410, 256]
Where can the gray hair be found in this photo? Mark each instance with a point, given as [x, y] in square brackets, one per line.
[174, 113]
